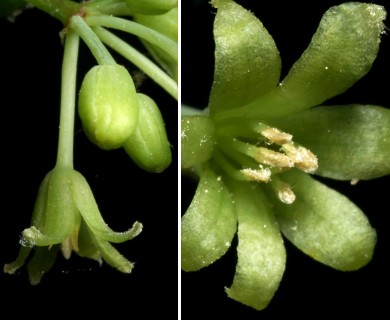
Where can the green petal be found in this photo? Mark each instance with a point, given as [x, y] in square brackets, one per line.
[340, 53]
[86, 247]
[111, 255]
[41, 263]
[56, 212]
[86, 204]
[209, 224]
[325, 224]
[351, 142]
[197, 139]
[261, 252]
[247, 62]
[19, 262]
[40, 202]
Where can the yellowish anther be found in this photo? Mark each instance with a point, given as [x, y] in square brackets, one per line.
[66, 248]
[273, 158]
[283, 191]
[70, 244]
[303, 158]
[354, 181]
[276, 136]
[259, 175]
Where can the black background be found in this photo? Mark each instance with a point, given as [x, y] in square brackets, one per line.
[31, 57]
[308, 289]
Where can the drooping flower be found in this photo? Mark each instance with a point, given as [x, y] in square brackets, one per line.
[260, 140]
[66, 217]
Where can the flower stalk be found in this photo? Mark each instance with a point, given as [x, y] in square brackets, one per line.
[68, 100]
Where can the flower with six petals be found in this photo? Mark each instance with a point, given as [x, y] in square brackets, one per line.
[260, 140]
[66, 217]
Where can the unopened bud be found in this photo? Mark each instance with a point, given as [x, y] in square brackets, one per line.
[167, 25]
[148, 146]
[108, 105]
[151, 6]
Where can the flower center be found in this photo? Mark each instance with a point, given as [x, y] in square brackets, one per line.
[258, 152]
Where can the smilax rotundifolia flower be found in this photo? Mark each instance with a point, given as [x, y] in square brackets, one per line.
[260, 140]
[66, 216]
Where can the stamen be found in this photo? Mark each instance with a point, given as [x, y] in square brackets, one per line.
[354, 181]
[303, 158]
[228, 167]
[276, 136]
[258, 175]
[273, 158]
[66, 248]
[283, 191]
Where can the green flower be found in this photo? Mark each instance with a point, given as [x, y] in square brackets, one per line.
[259, 141]
[66, 217]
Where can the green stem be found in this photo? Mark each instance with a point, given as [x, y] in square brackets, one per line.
[59, 9]
[68, 98]
[139, 60]
[148, 34]
[93, 42]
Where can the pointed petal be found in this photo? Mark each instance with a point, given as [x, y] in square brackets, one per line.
[87, 247]
[56, 217]
[86, 204]
[247, 62]
[340, 53]
[351, 141]
[197, 139]
[325, 224]
[111, 255]
[208, 225]
[41, 263]
[19, 262]
[71, 244]
[40, 202]
[261, 252]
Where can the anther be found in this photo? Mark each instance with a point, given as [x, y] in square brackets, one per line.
[283, 191]
[276, 136]
[258, 175]
[303, 158]
[273, 158]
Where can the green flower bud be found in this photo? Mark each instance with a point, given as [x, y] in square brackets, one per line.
[148, 146]
[166, 24]
[108, 105]
[151, 6]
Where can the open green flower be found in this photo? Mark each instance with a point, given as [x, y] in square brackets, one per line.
[259, 141]
[66, 216]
